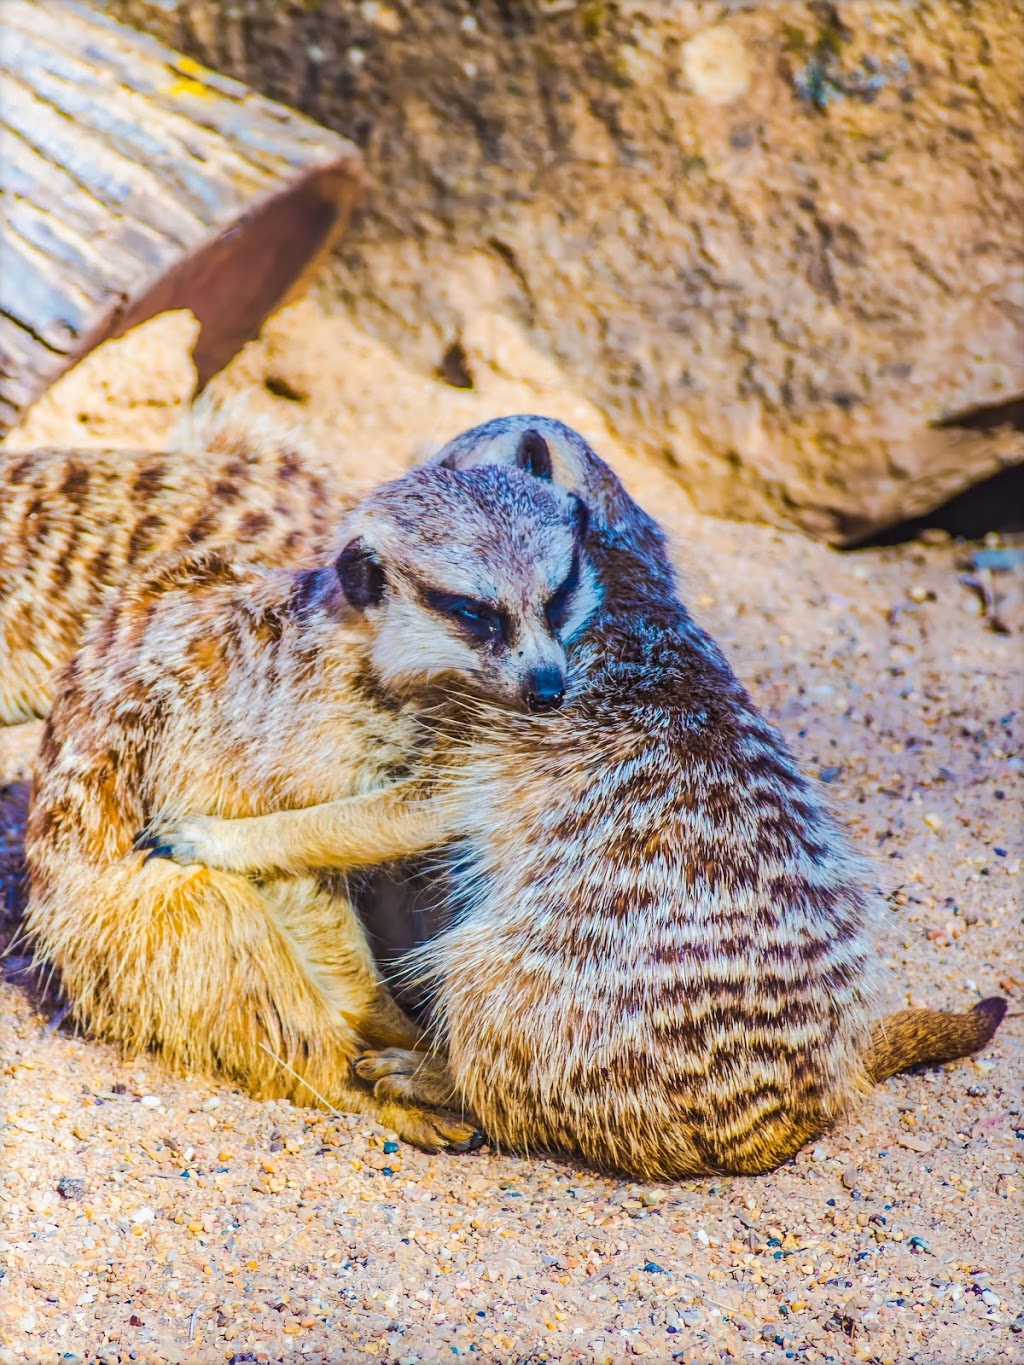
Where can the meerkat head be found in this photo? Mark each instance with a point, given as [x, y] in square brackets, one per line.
[540, 446]
[627, 546]
[470, 579]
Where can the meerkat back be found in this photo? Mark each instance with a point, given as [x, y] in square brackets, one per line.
[665, 954]
[74, 524]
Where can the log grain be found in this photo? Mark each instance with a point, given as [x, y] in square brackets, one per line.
[135, 180]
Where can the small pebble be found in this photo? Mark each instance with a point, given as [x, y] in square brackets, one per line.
[71, 1187]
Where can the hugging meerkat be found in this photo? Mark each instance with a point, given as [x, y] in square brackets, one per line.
[663, 953]
[225, 689]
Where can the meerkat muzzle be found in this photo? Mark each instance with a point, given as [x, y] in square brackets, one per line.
[544, 688]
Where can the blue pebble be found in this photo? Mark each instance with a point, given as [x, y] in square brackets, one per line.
[653, 1268]
[390, 1148]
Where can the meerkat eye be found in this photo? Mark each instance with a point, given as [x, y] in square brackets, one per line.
[481, 620]
[556, 609]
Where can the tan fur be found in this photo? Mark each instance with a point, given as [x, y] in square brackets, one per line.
[664, 957]
[917, 1037]
[214, 687]
[547, 1054]
[73, 524]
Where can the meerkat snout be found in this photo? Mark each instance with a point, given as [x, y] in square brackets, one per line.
[545, 688]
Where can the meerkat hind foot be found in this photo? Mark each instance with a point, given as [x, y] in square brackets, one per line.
[432, 1130]
[406, 1075]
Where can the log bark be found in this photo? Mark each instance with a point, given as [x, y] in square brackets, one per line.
[133, 181]
[777, 244]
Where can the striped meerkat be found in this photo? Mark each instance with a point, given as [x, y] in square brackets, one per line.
[664, 954]
[218, 688]
[74, 524]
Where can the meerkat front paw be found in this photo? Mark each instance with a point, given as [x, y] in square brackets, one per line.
[192, 839]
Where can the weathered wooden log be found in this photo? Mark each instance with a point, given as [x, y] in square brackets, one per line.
[133, 181]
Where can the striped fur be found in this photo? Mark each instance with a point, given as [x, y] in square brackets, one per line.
[74, 524]
[208, 690]
[665, 953]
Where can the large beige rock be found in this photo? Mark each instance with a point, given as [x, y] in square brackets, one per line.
[779, 245]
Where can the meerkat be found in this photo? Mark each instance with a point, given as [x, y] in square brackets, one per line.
[213, 686]
[663, 954]
[75, 523]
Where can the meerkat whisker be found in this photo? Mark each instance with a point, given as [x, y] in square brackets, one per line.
[325, 1103]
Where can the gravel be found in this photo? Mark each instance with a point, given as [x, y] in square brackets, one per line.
[152, 1217]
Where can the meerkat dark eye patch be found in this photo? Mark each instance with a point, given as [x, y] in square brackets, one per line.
[580, 517]
[556, 609]
[361, 575]
[534, 456]
[479, 620]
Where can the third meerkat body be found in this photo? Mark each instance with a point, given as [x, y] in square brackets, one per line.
[74, 524]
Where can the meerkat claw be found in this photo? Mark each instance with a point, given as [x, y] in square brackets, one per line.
[159, 842]
[163, 851]
[151, 843]
[472, 1144]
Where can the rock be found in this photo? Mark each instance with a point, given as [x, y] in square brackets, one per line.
[715, 64]
[776, 296]
[71, 1187]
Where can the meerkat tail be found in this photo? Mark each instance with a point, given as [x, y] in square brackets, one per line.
[912, 1037]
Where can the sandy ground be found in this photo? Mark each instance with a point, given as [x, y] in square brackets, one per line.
[147, 1216]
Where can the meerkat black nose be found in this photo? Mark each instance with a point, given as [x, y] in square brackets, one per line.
[545, 688]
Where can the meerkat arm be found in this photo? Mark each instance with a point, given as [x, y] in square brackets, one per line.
[358, 831]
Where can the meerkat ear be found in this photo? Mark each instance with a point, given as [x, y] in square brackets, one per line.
[360, 574]
[580, 514]
[533, 456]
